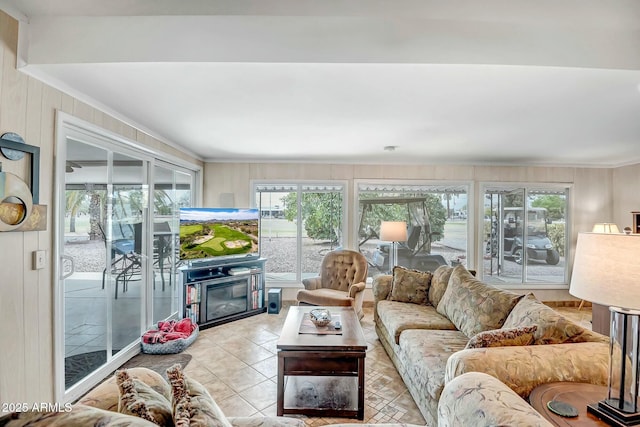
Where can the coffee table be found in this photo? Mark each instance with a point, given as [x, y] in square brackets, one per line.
[321, 375]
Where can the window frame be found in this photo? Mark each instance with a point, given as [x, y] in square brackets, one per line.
[471, 205]
[300, 184]
[528, 187]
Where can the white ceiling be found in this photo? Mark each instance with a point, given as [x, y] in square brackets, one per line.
[513, 82]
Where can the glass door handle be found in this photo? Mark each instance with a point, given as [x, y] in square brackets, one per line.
[63, 263]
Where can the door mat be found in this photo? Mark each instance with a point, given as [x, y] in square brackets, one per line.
[157, 362]
[80, 365]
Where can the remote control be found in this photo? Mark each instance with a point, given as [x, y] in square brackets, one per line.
[337, 325]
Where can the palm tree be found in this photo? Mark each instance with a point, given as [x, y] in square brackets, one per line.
[74, 200]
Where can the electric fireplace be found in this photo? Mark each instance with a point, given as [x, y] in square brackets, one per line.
[225, 299]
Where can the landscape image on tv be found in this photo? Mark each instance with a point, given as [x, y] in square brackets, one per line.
[218, 232]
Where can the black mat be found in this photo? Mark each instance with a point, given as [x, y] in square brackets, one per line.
[80, 365]
[158, 362]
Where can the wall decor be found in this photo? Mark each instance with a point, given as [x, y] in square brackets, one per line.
[19, 208]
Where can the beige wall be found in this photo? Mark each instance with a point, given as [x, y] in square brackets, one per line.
[626, 194]
[27, 107]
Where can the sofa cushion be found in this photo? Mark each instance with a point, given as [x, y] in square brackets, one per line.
[80, 416]
[410, 285]
[399, 316]
[439, 283]
[192, 404]
[138, 399]
[503, 337]
[105, 395]
[474, 306]
[424, 355]
[553, 328]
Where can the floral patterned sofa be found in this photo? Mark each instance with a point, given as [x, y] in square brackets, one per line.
[480, 400]
[140, 397]
[437, 326]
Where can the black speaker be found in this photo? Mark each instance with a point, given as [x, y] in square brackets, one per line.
[274, 300]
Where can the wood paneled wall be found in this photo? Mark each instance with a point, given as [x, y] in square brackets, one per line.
[27, 107]
[626, 194]
[592, 187]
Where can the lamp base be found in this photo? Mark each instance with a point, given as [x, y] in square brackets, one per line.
[605, 411]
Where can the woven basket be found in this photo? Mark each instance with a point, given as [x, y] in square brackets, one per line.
[170, 347]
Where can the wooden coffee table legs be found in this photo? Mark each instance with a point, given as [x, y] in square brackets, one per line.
[321, 383]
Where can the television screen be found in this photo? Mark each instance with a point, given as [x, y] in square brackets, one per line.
[207, 233]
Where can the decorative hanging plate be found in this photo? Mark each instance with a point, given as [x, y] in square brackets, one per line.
[8, 152]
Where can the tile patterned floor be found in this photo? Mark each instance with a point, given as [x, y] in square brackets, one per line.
[237, 363]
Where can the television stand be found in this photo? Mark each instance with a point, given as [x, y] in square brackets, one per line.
[218, 292]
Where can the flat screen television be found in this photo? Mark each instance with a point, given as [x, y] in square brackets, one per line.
[218, 233]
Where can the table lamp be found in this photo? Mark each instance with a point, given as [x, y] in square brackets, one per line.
[393, 231]
[605, 227]
[606, 271]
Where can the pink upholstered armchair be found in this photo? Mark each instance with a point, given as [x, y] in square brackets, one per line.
[341, 282]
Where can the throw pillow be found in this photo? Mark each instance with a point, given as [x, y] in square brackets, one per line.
[439, 283]
[138, 399]
[503, 337]
[106, 396]
[474, 306]
[192, 404]
[79, 416]
[553, 328]
[410, 285]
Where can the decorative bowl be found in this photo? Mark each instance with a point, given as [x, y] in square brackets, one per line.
[320, 316]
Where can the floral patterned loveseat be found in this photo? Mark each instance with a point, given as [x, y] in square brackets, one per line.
[140, 397]
[480, 400]
[437, 326]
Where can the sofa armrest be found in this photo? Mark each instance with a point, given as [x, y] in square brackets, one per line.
[311, 283]
[355, 288]
[478, 399]
[523, 368]
[381, 286]
[258, 421]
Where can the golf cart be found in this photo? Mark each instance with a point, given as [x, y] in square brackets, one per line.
[415, 253]
[538, 244]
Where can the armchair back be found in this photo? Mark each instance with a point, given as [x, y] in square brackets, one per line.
[342, 268]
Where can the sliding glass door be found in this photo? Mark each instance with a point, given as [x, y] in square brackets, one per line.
[104, 261]
[171, 190]
[117, 229]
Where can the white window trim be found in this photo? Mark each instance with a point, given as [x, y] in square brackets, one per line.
[512, 185]
[253, 184]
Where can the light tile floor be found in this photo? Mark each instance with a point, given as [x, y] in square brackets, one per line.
[237, 363]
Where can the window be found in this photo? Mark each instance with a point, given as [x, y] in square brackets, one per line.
[525, 234]
[299, 224]
[436, 218]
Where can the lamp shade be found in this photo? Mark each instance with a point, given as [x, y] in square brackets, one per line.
[606, 270]
[393, 231]
[605, 227]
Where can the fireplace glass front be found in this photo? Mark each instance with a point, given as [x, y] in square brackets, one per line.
[226, 299]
